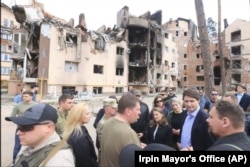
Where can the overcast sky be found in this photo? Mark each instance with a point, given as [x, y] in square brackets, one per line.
[103, 12]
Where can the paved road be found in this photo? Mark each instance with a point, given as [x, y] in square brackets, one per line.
[8, 128]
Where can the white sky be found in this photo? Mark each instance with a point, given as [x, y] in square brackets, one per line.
[103, 12]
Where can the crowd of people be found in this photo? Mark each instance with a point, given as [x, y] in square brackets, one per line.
[48, 136]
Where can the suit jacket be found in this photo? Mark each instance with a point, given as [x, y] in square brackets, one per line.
[201, 139]
[245, 101]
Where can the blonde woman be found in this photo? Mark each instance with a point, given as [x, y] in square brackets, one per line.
[76, 134]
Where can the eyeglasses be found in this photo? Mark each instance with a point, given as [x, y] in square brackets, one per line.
[27, 128]
[213, 94]
[159, 101]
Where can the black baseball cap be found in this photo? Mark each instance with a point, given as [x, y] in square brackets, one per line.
[36, 114]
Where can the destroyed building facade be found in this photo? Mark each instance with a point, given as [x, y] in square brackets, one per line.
[237, 40]
[139, 51]
[191, 69]
[62, 58]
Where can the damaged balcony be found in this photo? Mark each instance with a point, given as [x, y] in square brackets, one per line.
[26, 43]
[236, 67]
[138, 51]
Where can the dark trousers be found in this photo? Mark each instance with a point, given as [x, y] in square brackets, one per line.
[17, 146]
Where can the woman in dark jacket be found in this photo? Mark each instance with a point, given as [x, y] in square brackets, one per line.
[176, 118]
[159, 131]
[76, 134]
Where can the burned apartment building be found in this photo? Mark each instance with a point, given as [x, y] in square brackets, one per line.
[63, 58]
[237, 40]
[191, 67]
[151, 67]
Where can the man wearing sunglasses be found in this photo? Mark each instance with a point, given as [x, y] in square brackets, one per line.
[36, 131]
[17, 111]
[212, 100]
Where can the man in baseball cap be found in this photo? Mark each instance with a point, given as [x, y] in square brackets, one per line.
[36, 131]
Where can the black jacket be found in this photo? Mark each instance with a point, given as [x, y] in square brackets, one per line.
[164, 135]
[245, 101]
[228, 143]
[83, 149]
[141, 125]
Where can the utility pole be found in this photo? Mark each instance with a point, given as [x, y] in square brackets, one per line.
[222, 66]
[205, 47]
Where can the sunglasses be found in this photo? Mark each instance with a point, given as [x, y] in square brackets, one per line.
[214, 94]
[27, 128]
[158, 101]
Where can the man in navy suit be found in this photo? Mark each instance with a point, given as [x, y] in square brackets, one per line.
[243, 97]
[194, 132]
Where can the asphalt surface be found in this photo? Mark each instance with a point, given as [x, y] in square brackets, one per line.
[8, 128]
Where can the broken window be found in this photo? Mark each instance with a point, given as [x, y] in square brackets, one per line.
[236, 78]
[236, 50]
[71, 39]
[185, 67]
[119, 71]
[177, 33]
[185, 79]
[200, 78]
[119, 90]
[158, 76]
[119, 51]
[173, 65]
[166, 63]
[185, 33]
[173, 78]
[198, 56]
[198, 68]
[165, 77]
[98, 69]
[166, 35]
[71, 66]
[176, 23]
[20, 43]
[185, 55]
[236, 64]
[236, 36]
[217, 75]
[69, 90]
[97, 90]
